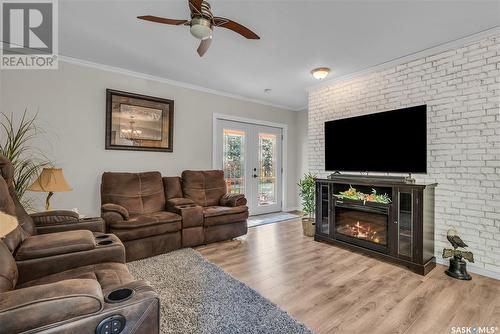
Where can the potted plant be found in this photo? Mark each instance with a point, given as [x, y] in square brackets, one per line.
[15, 145]
[307, 188]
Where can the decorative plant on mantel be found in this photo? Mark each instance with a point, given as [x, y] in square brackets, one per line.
[15, 145]
[307, 190]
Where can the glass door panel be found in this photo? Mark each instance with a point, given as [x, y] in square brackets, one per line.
[323, 221]
[233, 160]
[405, 224]
[250, 156]
[267, 171]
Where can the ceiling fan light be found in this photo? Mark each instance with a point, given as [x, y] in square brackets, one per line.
[201, 28]
[320, 73]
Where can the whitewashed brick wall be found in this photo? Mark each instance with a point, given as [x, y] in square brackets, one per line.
[461, 88]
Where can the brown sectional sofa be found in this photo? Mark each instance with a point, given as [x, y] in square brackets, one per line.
[134, 209]
[153, 215]
[68, 281]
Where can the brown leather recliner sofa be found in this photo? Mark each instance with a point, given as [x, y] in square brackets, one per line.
[153, 215]
[80, 300]
[37, 255]
[66, 282]
[134, 208]
[224, 215]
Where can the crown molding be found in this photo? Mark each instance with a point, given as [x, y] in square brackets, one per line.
[119, 70]
[456, 43]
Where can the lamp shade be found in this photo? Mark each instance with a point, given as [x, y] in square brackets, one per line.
[50, 180]
[7, 224]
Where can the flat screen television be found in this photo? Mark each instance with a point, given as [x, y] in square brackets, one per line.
[391, 141]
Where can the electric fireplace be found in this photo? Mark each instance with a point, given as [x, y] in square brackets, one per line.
[385, 216]
[362, 225]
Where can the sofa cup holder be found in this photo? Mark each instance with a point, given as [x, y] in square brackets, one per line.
[104, 236]
[105, 242]
[120, 295]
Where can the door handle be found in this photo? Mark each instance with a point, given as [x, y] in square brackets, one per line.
[255, 176]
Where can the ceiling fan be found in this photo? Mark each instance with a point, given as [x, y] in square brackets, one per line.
[202, 23]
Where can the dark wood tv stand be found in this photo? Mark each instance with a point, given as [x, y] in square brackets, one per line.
[401, 231]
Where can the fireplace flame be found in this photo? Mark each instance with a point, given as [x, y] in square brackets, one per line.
[363, 231]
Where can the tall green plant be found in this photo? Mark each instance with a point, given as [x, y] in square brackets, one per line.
[307, 188]
[15, 145]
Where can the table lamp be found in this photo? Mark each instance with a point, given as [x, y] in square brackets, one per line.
[51, 180]
[7, 224]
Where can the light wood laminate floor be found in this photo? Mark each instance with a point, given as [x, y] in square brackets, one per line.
[334, 290]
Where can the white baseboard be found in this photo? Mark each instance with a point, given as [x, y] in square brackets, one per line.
[473, 269]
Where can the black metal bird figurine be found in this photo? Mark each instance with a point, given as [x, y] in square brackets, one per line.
[458, 267]
[454, 239]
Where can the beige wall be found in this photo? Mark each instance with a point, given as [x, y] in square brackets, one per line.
[71, 107]
[302, 147]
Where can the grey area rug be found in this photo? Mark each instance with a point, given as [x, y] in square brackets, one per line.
[199, 297]
[270, 218]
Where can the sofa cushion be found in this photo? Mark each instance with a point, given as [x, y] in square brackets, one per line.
[147, 225]
[6, 202]
[139, 193]
[44, 245]
[37, 306]
[8, 269]
[205, 188]
[213, 211]
[150, 219]
[109, 275]
[218, 215]
[172, 186]
[7, 173]
[148, 231]
[15, 237]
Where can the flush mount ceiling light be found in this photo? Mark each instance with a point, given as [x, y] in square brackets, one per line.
[320, 73]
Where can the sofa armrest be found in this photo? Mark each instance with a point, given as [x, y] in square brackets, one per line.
[64, 220]
[233, 200]
[54, 217]
[115, 208]
[33, 307]
[47, 245]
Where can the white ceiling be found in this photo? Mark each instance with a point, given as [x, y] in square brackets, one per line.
[296, 36]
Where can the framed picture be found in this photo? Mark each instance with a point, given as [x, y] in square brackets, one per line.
[138, 122]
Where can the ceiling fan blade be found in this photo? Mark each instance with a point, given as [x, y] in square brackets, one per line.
[204, 45]
[236, 27]
[163, 20]
[195, 5]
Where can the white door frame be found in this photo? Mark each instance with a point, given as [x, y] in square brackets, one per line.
[284, 129]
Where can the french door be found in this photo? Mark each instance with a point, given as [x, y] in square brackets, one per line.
[251, 157]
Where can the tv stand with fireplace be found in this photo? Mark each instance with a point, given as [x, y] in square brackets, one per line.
[400, 230]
